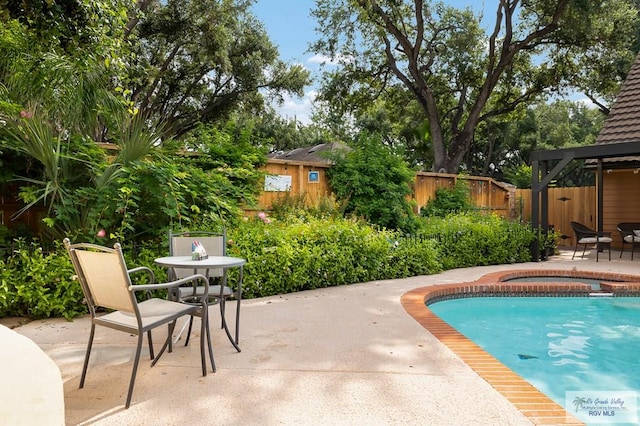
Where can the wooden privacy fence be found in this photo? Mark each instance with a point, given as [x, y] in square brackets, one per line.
[309, 180]
[10, 205]
[577, 204]
[485, 193]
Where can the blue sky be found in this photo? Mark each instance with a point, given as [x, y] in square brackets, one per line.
[291, 28]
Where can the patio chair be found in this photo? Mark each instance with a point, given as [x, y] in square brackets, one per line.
[586, 236]
[106, 283]
[630, 234]
[215, 244]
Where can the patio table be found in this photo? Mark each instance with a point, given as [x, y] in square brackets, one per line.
[208, 263]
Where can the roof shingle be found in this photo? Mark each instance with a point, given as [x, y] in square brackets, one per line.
[623, 122]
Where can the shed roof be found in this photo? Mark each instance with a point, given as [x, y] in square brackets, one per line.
[312, 154]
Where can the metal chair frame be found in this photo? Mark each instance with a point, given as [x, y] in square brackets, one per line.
[215, 243]
[106, 283]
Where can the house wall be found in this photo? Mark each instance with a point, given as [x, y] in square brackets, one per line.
[621, 200]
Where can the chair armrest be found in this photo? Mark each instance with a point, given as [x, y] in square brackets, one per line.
[174, 284]
[152, 276]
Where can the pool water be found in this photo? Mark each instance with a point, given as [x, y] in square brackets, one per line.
[558, 344]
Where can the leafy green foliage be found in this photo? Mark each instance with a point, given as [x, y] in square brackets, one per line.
[374, 183]
[144, 189]
[520, 175]
[457, 74]
[541, 126]
[449, 200]
[292, 207]
[472, 239]
[39, 285]
[199, 61]
[315, 253]
[283, 257]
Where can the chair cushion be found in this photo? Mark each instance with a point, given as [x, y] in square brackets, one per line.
[631, 239]
[637, 232]
[593, 240]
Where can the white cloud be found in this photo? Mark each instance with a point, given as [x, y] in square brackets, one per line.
[326, 60]
[299, 108]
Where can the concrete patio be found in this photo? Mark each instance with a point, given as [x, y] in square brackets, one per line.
[340, 355]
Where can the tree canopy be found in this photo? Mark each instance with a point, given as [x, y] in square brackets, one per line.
[459, 74]
[198, 60]
[163, 82]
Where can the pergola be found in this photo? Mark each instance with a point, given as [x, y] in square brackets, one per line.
[541, 176]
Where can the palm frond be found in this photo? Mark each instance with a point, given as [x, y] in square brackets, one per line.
[137, 138]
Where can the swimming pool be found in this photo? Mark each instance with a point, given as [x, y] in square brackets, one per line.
[558, 344]
[538, 407]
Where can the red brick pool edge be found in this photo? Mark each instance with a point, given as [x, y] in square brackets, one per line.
[536, 406]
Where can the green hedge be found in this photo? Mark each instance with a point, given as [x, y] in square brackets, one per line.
[283, 257]
[39, 285]
[473, 239]
[324, 252]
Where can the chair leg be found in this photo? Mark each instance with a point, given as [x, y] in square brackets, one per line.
[206, 330]
[167, 343]
[186, 341]
[135, 371]
[150, 344]
[574, 251]
[170, 332]
[622, 249]
[87, 355]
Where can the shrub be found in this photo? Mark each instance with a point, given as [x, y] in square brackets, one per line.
[473, 239]
[39, 285]
[449, 200]
[302, 253]
[313, 253]
[374, 183]
[292, 207]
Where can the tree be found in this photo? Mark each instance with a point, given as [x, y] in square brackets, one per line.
[75, 27]
[560, 124]
[374, 183]
[276, 133]
[459, 75]
[200, 60]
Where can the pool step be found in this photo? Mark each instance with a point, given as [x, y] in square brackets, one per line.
[600, 293]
